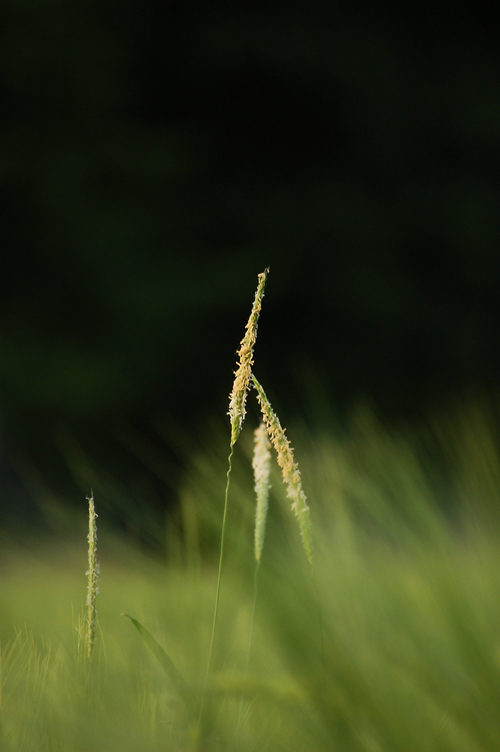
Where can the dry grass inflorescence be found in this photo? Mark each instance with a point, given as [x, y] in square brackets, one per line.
[237, 412]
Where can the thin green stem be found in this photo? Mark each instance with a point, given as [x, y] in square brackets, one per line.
[217, 595]
[321, 635]
[255, 583]
[249, 650]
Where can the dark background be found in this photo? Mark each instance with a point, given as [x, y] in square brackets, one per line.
[156, 156]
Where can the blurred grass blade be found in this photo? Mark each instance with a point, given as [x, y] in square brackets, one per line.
[184, 691]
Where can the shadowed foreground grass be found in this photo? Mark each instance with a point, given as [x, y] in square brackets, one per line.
[392, 644]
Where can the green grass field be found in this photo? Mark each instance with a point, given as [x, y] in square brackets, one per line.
[391, 644]
[371, 622]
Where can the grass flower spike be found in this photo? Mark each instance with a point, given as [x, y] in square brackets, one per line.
[93, 576]
[237, 400]
[238, 396]
[261, 467]
[289, 468]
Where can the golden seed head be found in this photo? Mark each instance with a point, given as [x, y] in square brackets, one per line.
[289, 468]
[238, 396]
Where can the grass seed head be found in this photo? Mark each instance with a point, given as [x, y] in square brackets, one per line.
[238, 396]
[289, 468]
[93, 577]
[261, 466]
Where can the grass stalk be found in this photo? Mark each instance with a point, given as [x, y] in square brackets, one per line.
[249, 649]
[219, 578]
[237, 412]
[93, 577]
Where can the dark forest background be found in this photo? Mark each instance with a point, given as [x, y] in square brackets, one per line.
[156, 156]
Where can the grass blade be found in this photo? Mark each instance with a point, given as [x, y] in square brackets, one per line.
[183, 689]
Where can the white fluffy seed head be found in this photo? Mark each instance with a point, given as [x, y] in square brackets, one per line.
[261, 467]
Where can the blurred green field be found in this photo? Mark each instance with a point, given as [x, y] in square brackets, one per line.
[391, 645]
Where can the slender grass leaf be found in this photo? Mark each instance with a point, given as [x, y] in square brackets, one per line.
[183, 689]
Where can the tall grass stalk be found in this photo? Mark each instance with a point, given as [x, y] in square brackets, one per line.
[237, 412]
[93, 577]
